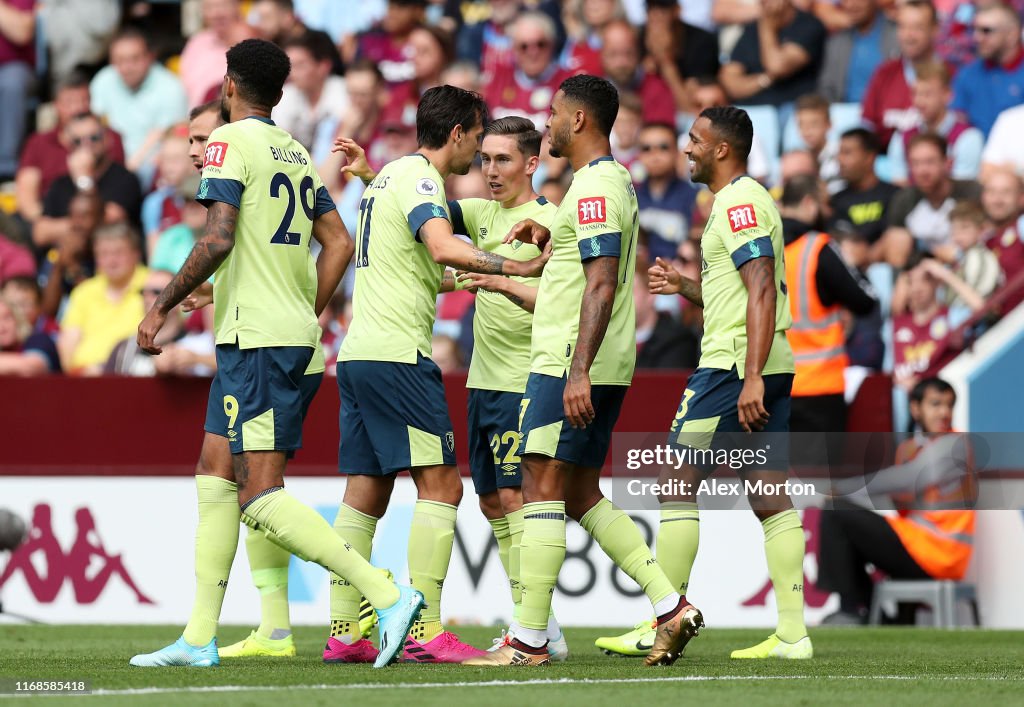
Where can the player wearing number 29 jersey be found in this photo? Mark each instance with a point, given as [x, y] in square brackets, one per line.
[265, 291]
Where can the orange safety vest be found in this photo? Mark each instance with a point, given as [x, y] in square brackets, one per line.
[940, 541]
[817, 336]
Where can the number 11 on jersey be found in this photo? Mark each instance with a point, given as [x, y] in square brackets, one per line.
[363, 240]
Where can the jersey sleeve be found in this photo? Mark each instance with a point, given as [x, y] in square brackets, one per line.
[225, 171]
[465, 217]
[323, 203]
[421, 199]
[746, 229]
[599, 220]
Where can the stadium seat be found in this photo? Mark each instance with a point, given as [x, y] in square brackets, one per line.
[942, 596]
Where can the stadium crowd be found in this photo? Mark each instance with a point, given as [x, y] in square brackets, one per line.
[905, 115]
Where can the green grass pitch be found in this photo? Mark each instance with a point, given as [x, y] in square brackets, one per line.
[884, 666]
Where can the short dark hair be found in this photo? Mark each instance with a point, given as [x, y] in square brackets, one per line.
[934, 383]
[442, 108]
[444, 40]
[868, 140]
[733, 127]
[25, 282]
[659, 125]
[207, 107]
[130, 32]
[934, 139]
[798, 188]
[368, 65]
[924, 4]
[76, 78]
[259, 69]
[597, 96]
[284, 4]
[318, 45]
[522, 129]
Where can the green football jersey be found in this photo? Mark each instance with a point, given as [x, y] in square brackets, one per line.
[744, 224]
[598, 217]
[501, 329]
[265, 291]
[395, 298]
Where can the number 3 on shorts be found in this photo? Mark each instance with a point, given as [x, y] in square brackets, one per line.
[231, 409]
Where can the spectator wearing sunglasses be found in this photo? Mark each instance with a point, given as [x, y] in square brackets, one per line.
[90, 168]
[665, 201]
[995, 80]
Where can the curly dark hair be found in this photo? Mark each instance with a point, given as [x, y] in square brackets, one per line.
[259, 70]
[599, 98]
[733, 126]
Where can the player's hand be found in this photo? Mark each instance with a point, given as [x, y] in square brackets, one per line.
[529, 231]
[532, 267]
[148, 329]
[196, 300]
[663, 278]
[473, 281]
[753, 416]
[576, 400]
[357, 166]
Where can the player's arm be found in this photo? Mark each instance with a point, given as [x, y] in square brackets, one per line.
[335, 254]
[514, 291]
[758, 275]
[208, 253]
[602, 276]
[664, 279]
[445, 249]
[358, 165]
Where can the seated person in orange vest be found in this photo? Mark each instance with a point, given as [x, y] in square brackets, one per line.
[928, 539]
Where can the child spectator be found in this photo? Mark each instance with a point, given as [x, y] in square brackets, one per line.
[813, 122]
[920, 322]
[24, 352]
[975, 266]
[25, 295]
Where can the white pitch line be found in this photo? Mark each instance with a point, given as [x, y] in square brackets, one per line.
[510, 683]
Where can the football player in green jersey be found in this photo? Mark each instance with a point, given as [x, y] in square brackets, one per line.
[267, 292]
[743, 382]
[393, 411]
[582, 357]
[502, 326]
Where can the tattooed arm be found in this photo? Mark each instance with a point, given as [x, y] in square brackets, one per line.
[595, 311]
[208, 253]
[758, 277]
[446, 249]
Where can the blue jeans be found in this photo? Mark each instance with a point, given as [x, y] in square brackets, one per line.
[15, 79]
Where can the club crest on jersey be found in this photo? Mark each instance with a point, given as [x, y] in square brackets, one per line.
[742, 217]
[426, 187]
[592, 210]
[215, 154]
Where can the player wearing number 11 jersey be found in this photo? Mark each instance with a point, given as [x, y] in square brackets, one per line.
[265, 202]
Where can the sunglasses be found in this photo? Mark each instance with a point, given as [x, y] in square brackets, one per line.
[79, 141]
[981, 29]
[661, 147]
[539, 44]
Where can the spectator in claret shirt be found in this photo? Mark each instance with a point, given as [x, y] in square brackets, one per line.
[387, 42]
[585, 22]
[994, 81]
[920, 325]
[932, 95]
[17, 58]
[887, 105]
[620, 64]
[1002, 198]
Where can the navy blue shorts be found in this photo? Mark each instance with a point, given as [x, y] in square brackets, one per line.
[708, 419]
[259, 397]
[494, 440]
[546, 430]
[393, 416]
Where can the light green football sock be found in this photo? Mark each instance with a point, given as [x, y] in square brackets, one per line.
[515, 537]
[621, 540]
[541, 557]
[306, 535]
[678, 538]
[269, 565]
[430, 550]
[784, 547]
[216, 543]
[358, 529]
[499, 526]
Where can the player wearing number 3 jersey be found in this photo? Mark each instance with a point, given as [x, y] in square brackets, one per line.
[265, 202]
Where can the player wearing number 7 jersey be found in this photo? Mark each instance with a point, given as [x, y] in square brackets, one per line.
[265, 200]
